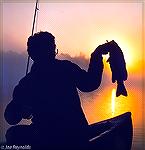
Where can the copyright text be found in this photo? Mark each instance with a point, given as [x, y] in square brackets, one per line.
[15, 147]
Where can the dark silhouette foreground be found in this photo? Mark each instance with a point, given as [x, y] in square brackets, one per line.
[49, 94]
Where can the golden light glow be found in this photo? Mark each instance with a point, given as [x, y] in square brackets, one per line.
[113, 101]
[129, 54]
[130, 48]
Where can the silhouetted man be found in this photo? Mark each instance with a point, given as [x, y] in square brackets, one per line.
[49, 94]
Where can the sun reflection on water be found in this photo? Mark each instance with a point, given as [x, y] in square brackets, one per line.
[113, 101]
[104, 104]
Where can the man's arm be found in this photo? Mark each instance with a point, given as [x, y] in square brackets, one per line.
[15, 110]
[90, 80]
[13, 113]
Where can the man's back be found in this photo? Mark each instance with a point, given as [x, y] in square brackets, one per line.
[50, 91]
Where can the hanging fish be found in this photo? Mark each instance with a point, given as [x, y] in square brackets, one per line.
[118, 66]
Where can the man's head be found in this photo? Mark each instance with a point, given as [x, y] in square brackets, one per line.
[41, 46]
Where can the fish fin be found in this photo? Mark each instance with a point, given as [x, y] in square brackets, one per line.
[121, 90]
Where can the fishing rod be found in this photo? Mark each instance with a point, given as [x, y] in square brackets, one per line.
[33, 26]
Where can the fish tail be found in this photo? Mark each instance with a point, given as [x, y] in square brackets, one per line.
[121, 90]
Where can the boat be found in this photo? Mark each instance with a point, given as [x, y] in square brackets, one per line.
[112, 134]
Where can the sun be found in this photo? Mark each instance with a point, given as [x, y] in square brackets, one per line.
[128, 55]
[128, 48]
[132, 56]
